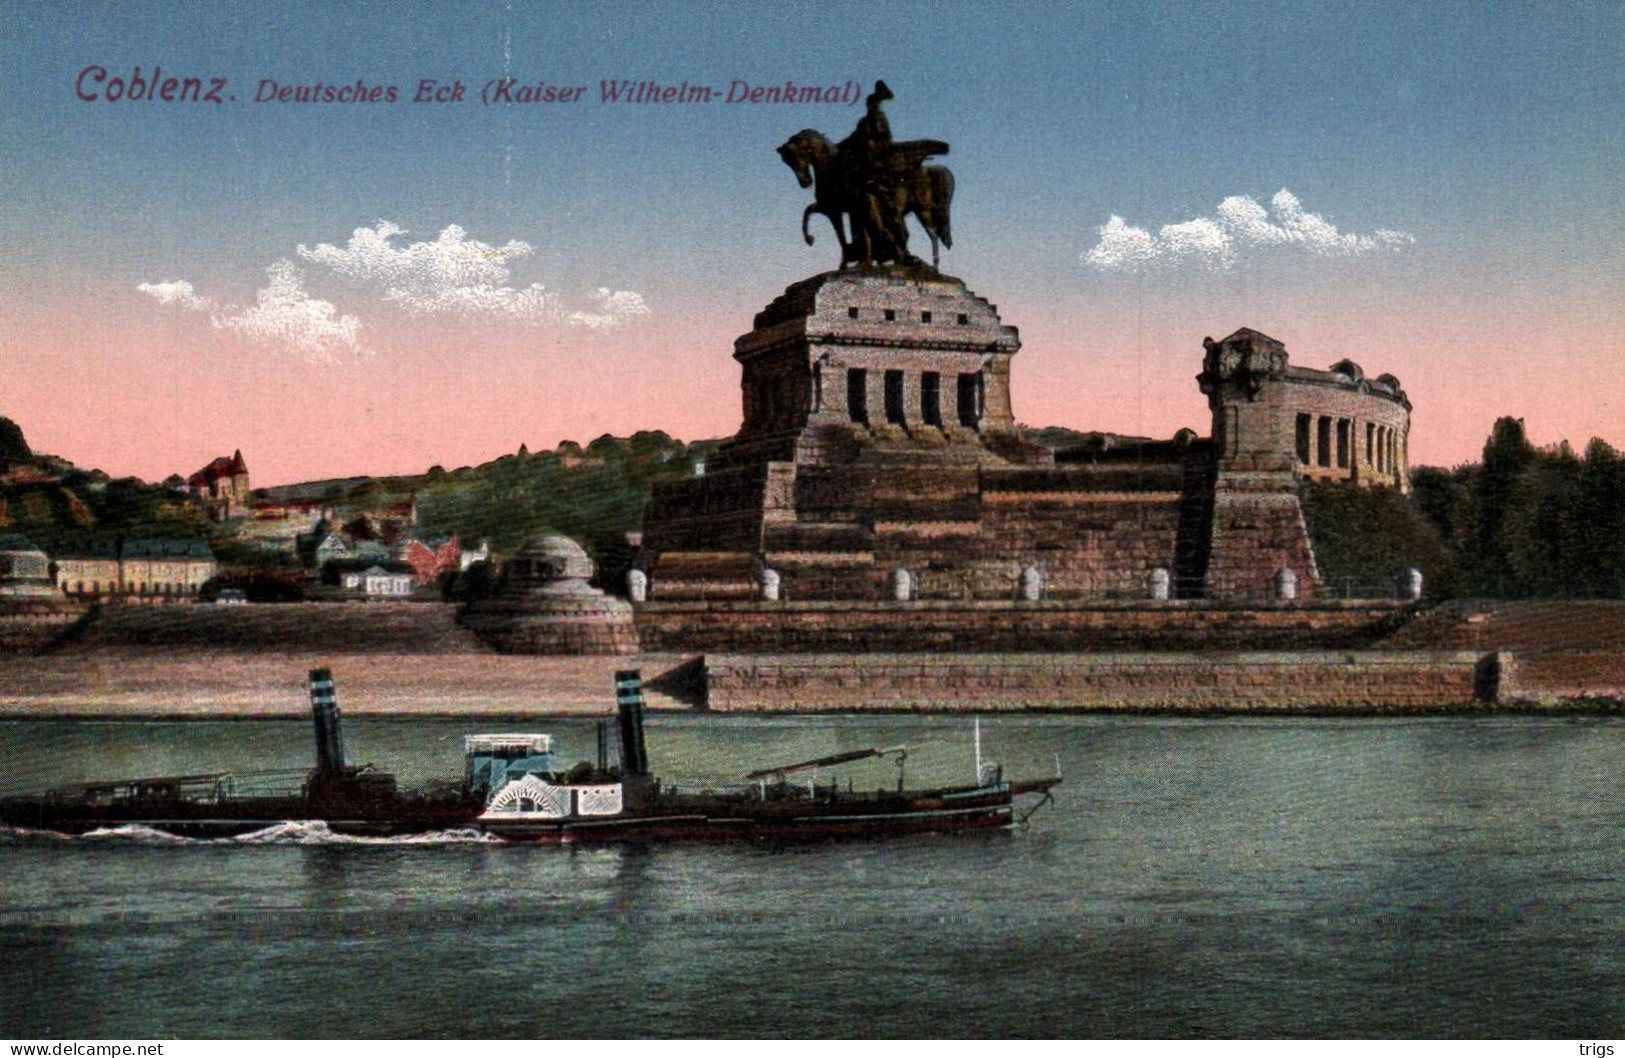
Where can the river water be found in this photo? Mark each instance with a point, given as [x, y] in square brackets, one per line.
[1197, 877]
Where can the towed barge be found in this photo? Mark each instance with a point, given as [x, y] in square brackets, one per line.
[514, 788]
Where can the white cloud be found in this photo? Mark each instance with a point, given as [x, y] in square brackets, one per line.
[1240, 223]
[456, 275]
[176, 292]
[283, 316]
[286, 316]
[450, 276]
[613, 307]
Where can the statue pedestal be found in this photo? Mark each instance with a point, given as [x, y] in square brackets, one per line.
[872, 365]
[869, 396]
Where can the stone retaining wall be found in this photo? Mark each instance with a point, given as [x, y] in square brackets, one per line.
[1277, 681]
[30, 626]
[823, 626]
[348, 627]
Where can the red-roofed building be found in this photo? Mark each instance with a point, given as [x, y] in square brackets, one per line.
[221, 488]
[429, 559]
[404, 511]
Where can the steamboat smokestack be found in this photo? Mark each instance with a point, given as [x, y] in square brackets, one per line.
[629, 698]
[324, 713]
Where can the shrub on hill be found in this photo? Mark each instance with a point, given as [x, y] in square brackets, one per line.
[1365, 539]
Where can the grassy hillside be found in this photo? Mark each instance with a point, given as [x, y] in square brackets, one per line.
[594, 494]
[57, 514]
[1365, 538]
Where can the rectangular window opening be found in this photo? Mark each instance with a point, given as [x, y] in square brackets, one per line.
[894, 397]
[852, 312]
[1323, 453]
[857, 394]
[1303, 439]
[925, 317]
[931, 398]
[891, 315]
[1343, 443]
[968, 393]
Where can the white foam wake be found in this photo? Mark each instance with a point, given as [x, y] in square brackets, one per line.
[317, 832]
[136, 834]
[302, 832]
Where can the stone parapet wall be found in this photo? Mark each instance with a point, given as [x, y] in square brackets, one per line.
[1100, 545]
[835, 626]
[1284, 681]
[30, 626]
[347, 627]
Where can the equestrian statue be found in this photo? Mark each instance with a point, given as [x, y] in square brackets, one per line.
[871, 184]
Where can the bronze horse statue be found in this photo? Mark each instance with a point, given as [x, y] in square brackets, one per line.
[875, 203]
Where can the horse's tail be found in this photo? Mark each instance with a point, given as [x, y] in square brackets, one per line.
[942, 180]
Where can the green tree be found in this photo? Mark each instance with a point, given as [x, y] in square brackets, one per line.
[1507, 455]
[1600, 522]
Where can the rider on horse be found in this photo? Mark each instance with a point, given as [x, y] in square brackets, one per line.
[877, 171]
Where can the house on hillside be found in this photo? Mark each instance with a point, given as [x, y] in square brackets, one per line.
[221, 488]
[404, 511]
[370, 578]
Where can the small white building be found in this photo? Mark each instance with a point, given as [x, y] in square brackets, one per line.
[379, 582]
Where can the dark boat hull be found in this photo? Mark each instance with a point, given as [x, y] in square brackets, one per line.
[672, 818]
[702, 818]
[723, 828]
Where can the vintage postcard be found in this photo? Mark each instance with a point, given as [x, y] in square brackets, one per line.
[531, 520]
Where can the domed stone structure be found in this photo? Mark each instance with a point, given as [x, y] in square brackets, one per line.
[32, 613]
[550, 565]
[546, 605]
[25, 571]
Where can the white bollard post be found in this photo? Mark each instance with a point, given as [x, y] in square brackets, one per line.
[902, 585]
[1159, 583]
[1410, 584]
[1286, 585]
[1032, 584]
[637, 585]
[770, 585]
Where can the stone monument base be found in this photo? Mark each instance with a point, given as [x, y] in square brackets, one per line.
[547, 606]
[561, 625]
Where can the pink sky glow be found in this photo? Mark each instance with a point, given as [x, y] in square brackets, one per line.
[135, 388]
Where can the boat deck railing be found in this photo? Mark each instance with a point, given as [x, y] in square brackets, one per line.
[211, 788]
[786, 791]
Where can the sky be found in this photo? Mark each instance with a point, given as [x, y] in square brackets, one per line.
[348, 287]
